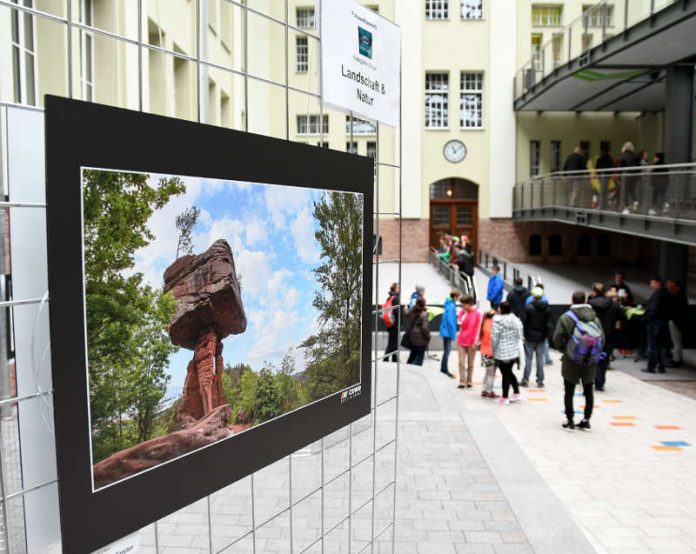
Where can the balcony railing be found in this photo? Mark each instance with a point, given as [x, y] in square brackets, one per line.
[656, 191]
[597, 24]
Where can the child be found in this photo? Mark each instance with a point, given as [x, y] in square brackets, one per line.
[487, 359]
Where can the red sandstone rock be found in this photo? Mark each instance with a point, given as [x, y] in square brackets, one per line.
[207, 294]
[212, 428]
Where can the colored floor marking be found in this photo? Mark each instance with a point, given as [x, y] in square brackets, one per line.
[668, 448]
[612, 401]
[668, 427]
[630, 417]
[622, 424]
[537, 399]
[675, 443]
[536, 390]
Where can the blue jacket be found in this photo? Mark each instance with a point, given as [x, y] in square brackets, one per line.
[530, 299]
[448, 324]
[495, 289]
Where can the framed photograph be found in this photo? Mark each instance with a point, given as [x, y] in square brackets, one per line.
[209, 307]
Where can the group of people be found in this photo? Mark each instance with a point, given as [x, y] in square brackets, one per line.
[622, 192]
[519, 327]
[457, 251]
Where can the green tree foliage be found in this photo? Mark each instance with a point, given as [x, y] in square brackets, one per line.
[333, 354]
[267, 403]
[128, 344]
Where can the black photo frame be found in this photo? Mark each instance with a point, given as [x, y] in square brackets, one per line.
[80, 134]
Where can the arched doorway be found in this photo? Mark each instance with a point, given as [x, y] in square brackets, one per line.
[454, 210]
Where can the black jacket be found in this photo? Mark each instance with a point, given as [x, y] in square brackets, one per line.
[657, 307]
[517, 298]
[575, 162]
[538, 324]
[628, 299]
[678, 309]
[465, 261]
[608, 312]
[629, 159]
[605, 161]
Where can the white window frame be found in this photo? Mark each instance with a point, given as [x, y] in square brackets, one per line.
[301, 53]
[471, 100]
[556, 158]
[548, 15]
[87, 50]
[597, 16]
[21, 53]
[305, 18]
[360, 126]
[534, 158]
[437, 9]
[437, 85]
[371, 149]
[471, 10]
[308, 124]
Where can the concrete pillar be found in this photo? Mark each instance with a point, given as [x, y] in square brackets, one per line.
[679, 104]
[674, 262]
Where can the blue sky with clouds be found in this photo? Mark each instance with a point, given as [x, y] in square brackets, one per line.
[270, 229]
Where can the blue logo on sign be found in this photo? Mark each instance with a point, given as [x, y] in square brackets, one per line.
[365, 42]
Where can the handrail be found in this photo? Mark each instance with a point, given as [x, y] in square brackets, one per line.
[509, 270]
[666, 191]
[573, 41]
[456, 278]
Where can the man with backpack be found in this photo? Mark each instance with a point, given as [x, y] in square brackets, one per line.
[580, 337]
[390, 315]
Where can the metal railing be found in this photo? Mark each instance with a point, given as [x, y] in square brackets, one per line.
[659, 191]
[509, 271]
[457, 279]
[596, 25]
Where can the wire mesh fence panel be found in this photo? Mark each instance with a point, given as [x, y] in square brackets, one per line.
[208, 61]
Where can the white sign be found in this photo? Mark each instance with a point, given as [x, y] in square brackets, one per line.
[361, 61]
[126, 545]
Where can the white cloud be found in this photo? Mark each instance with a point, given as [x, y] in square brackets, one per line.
[255, 269]
[275, 283]
[291, 297]
[284, 201]
[274, 337]
[303, 233]
[255, 232]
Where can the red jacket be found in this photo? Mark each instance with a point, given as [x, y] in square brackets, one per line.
[486, 335]
[470, 323]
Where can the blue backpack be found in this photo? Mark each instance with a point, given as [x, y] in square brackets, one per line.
[586, 344]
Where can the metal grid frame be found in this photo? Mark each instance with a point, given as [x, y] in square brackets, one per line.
[380, 539]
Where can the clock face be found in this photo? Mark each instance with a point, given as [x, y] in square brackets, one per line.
[454, 151]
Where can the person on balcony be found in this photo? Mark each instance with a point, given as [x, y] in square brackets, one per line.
[575, 162]
[630, 178]
[605, 163]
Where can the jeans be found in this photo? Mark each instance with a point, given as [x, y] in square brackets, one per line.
[447, 343]
[677, 342]
[508, 377]
[392, 350]
[658, 333]
[587, 390]
[547, 355]
[602, 365]
[417, 355]
[531, 348]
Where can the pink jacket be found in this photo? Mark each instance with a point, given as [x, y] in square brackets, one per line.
[470, 323]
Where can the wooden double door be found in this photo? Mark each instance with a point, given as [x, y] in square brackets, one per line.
[455, 217]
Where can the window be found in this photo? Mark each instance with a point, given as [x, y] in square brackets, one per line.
[24, 55]
[600, 16]
[213, 12]
[536, 50]
[555, 245]
[584, 245]
[585, 147]
[586, 41]
[465, 216]
[472, 9]
[534, 157]
[436, 100]
[557, 48]
[547, 16]
[305, 18]
[437, 9]
[555, 156]
[302, 55]
[471, 101]
[323, 144]
[87, 51]
[372, 150]
[360, 126]
[535, 245]
[352, 147]
[309, 125]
